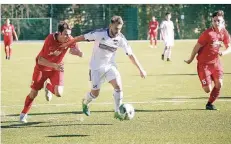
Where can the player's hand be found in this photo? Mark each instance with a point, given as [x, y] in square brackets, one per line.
[59, 67]
[188, 61]
[220, 53]
[77, 52]
[143, 73]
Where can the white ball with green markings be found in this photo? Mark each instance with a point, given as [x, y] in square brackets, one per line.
[127, 111]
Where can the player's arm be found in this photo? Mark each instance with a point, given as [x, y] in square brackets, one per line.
[193, 53]
[227, 41]
[44, 62]
[157, 27]
[15, 35]
[135, 61]
[91, 36]
[132, 57]
[162, 30]
[227, 51]
[2, 30]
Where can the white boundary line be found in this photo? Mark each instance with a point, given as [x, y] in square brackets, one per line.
[110, 103]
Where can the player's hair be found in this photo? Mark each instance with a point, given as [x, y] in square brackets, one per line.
[218, 13]
[167, 13]
[62, 26]
[117, 19]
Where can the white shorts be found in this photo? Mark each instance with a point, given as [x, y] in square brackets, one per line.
[97, 77]
[169, 42]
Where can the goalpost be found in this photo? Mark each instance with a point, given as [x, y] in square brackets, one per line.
[31, 28]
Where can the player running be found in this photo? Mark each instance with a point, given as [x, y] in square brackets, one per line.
[209, 67]
[102, 64]
[8, 31]
[49, 65]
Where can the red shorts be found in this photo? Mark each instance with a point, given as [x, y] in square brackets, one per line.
[153, 34]
[208, 72]
[8, 41]
[39, 77]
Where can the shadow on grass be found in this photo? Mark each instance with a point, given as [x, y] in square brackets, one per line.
[180, 74]
[182, 98]
[35, 124]
[74, 135]
[171, 110]
[20, 125]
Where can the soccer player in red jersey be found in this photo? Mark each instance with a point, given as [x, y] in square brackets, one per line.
[8, 31]
[153, 31]
[49, 65]
[209, 67]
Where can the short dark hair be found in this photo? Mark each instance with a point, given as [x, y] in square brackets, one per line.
[62, 26]
[218, 13]
[117, 19]
[167, 13]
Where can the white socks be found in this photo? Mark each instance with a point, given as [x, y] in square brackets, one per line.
[88, 98]
[118, 97]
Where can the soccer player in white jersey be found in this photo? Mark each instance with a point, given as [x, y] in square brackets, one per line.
[102, 64]
[167, 33]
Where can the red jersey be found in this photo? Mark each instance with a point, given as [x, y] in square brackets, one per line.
[211, 42]
[153, 25]
[8, 31]
[52, 51]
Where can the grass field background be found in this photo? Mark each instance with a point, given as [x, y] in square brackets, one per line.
[169, 103]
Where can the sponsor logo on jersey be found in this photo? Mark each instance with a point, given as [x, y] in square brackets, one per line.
[106, 47]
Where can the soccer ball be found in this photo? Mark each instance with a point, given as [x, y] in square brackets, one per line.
[127, 111]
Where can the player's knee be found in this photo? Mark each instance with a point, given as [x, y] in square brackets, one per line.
[218, 85]
[207, 89]
[33, 94]
[59, 91]
[95, 92]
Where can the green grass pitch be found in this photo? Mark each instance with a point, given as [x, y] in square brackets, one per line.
[169, 103]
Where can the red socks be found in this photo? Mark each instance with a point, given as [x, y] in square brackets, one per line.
[214, 95]
[27, 105]
[51, 88]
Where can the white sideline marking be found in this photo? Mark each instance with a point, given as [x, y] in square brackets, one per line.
[110, 103]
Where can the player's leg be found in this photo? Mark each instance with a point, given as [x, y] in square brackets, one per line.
[38, 79]
[217, 76]
[155, 39]
[10, 51]
[96, 78]
[27, 105]
[114, 78]
[169, 53]
[151, 40]
[164, 52]
[55, 86]
[6, 44]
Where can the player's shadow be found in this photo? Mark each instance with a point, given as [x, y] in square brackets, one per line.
[20, 125]
[36, 124]
[182, 98]
[60, 113]
[168, 110]
[180, 74]
[73, 135]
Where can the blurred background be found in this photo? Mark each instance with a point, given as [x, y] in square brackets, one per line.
[36, 21]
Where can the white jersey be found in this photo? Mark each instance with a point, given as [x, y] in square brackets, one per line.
[167, 29]
[105, 47]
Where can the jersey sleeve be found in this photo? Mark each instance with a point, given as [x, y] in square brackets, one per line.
[126, 47]
[202, 40]
[45, 50]
[2, 28]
